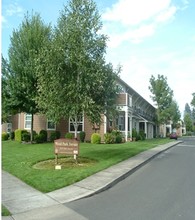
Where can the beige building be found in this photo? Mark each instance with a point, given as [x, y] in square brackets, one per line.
[134, 112]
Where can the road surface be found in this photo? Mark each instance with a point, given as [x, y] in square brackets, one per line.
[163, 189]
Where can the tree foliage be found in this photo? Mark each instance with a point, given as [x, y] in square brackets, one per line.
[174, 113]
[162, 96]
[5, 74]
[189, 117]
[193, 110]
[188, 122]
[73, 76]
[187, 110]
[26, 44]
[193, 100]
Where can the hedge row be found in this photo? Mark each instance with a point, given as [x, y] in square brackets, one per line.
[109, 138]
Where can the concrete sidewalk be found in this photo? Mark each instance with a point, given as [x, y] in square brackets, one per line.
[25, 202]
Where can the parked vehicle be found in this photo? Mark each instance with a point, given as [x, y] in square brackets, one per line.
[173, 135]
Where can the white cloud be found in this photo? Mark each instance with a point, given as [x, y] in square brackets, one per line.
[184, 5]
[132, 35]
[3, 19]
[166, 15]
[137, 19]
[179, 70]
[131, 12]
[14, 10]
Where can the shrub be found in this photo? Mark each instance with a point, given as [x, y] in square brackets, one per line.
[118, 136]
[26, 136]
[114, 136]
[116, 132]
[118, 139]
[12, 135]
[69, 135]
[4, 136]
[34, 134]
[138, 137]
[43, 135]
[54, 135]
[95, 138]
[18, 134]
[82, 136]
[142, 135]
[109, 138]
[39, 138]
[134, 133]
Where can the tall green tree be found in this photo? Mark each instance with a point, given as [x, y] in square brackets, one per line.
[5, 95]
[193, 100]
[187, 110]
[162, 95]
[26, 44]
[174, 113]
[193, 110]
[188, 122]
[73, 76]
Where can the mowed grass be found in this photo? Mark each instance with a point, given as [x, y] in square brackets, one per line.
[4, 211]
[19, 159]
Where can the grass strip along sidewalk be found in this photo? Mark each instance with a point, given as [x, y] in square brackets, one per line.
[21, 161]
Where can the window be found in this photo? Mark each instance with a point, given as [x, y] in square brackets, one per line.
[130, 101]
[79, 122]
[9, 127]
[51, 125]
[120, 122]
[28, 119]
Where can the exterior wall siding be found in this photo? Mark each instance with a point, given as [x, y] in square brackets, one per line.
[62, 127]
[4, 127]
[89, 129]
[14, 122]
[40, 123]
[121, 99]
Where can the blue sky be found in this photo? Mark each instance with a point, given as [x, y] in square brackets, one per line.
[146, 37]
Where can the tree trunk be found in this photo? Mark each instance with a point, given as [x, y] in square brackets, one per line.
[31, 134]
[75, 127]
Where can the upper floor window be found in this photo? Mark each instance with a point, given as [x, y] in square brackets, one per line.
[27, 122]
[130, 101]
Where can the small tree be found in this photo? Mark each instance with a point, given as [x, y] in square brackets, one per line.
[175, 114]
[26, 44]
[188, 122]
[162, 96]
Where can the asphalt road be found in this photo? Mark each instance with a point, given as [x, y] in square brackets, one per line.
[163, 189]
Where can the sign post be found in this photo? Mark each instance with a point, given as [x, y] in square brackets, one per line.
[66, 146]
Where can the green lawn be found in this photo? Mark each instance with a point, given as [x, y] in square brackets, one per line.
[4, 211]
[18, 159]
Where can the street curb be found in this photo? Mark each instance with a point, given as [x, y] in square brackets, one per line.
[131, 171]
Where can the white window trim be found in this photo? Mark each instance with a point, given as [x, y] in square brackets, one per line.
[27, 120]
